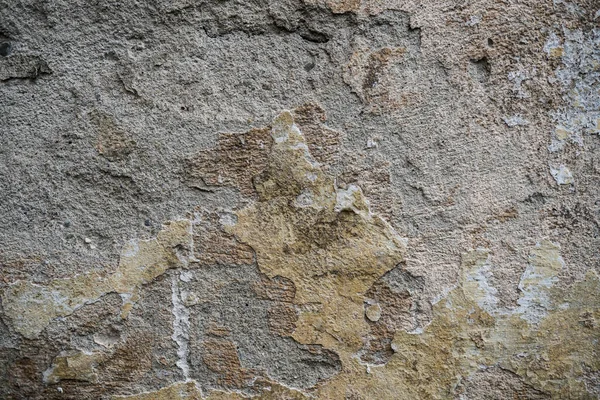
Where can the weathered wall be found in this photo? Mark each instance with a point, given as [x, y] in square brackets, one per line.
[285, 199]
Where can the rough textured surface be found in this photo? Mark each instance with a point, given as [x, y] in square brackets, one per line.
[422, 222]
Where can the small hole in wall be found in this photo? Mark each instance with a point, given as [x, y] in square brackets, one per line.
[5, 49]
[490, 42]
[480, 69]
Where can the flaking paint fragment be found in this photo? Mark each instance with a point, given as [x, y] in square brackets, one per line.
[73, 365]
[562, 175]
[333, 250]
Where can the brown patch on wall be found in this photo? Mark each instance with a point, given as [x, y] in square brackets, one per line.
[338, 264]
[395, 313]
[282, 319]
[323, 142]
[130, 360]
[238, 158]
[282, 314]
[241, 157]
[276, 289]
[212, 245]
[367, 73]
[396, 302]
[373, 174]
[218, 330]
[221, 356]
[113, 142]
[21, 372]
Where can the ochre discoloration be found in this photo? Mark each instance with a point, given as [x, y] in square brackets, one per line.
[236, 160]
[282, 314]
[331, 247]
[190, 391]
[220, 356]
[335, 261]
[463, 337]
[177, 391]
[387, 310]
[213, 246]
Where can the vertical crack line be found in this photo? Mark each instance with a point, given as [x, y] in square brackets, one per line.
[181, 327]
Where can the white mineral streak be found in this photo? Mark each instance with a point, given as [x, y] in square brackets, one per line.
[181, 327]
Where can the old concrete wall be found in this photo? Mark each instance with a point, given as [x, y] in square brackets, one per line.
[288, 199]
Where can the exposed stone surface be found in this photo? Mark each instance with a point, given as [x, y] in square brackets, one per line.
[422, 223]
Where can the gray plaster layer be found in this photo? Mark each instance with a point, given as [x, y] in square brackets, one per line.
[102, 103]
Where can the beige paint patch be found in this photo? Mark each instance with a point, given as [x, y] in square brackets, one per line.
[333, 249]
[552, 357]
[30, 307]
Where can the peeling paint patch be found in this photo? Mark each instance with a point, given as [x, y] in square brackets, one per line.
[31, 307]
[240, 157]
[544, 265]
[190, 391]
[323, 266]
[332, 272]
[530, 341]
[333, 251]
